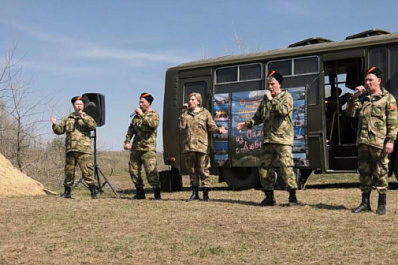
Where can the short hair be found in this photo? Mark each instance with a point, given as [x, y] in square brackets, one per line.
[197, 96]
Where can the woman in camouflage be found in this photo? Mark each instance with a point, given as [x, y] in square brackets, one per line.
[195, 123]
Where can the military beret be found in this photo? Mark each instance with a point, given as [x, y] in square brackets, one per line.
[376, 71]
[276, 75]
[148, 97]
[74, 99]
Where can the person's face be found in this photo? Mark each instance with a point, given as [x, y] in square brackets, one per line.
[372, 83]
[193, 102]
[144, 104]
[78, 106]
[274, 87]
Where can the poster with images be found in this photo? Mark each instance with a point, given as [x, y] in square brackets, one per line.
[221, 116]
[245, 145]
[299, 126]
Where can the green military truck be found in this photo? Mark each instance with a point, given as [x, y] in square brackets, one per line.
[319, 73]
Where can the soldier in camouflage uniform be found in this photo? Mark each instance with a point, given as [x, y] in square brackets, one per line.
[376, 110]
[77, 127]
[275, 113]
[195, 123]
[143, 128]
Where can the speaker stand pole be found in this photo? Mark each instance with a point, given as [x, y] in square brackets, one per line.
[97, 171]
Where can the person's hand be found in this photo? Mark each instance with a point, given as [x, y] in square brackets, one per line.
[184, 107]
[359, 90]
[241, 126]
[389, 148]
[81, 114]
[222, 130]
[138, 111]
[268, 94]
[53, 120]
[127, 146]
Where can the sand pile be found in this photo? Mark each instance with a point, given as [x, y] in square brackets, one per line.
[15, 183]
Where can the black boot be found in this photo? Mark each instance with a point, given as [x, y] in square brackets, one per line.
[365, 204]
[195, 193]
[67, 193]
[156, 191]
[140, 193]
[292, 198]
[206, 194]
[269, 198]
[93, 191]
[381, 206]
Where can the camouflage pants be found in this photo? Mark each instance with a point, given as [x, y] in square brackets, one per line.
[198, 165]
[86, 166]
[148, 160]
[373, 168]
[274, 155]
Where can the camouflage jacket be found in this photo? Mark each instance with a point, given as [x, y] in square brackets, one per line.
[195, 128]
[377, 118]
[276, 117]
[77, 132]
[144, 129]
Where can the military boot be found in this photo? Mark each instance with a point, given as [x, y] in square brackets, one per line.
[365, 204]
[93, 191]
[67, 193]
[195, 193]
[269, 198]
[292, 198]
[140, 193]
[206, 194]
[156, 192]
[381, 205]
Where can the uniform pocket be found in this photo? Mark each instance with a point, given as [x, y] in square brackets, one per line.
[378, 112]
[69, 126]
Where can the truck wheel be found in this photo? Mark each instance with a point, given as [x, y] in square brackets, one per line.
[241, 178]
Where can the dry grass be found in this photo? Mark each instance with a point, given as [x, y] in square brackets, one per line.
[231, 229]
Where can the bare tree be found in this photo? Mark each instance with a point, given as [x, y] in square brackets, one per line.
[19, 111]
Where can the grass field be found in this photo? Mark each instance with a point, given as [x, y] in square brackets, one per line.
[230, 229]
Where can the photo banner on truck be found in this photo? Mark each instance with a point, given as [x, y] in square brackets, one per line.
[243, 148]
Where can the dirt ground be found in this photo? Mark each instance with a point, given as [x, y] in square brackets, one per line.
[15, 183]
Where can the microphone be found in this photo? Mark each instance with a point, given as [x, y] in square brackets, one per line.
[357, 92]
[133, 114]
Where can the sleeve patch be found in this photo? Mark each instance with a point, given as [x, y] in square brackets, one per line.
[393, 107]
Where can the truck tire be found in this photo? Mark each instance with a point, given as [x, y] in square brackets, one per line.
[241, 178]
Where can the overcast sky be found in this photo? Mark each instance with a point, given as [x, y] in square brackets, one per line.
[121, 48]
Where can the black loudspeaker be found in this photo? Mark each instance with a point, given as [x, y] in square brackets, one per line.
[170, 180]
[95, 107]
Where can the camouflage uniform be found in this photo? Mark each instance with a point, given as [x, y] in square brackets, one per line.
[78, 147]
[195, 128]
[276, 117]
[377, 125]
[143, 150]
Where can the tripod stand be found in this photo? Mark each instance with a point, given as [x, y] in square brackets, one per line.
[97, 170]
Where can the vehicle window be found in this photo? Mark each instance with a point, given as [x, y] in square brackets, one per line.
[228, 74]
[198, 87]
[238, 73]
